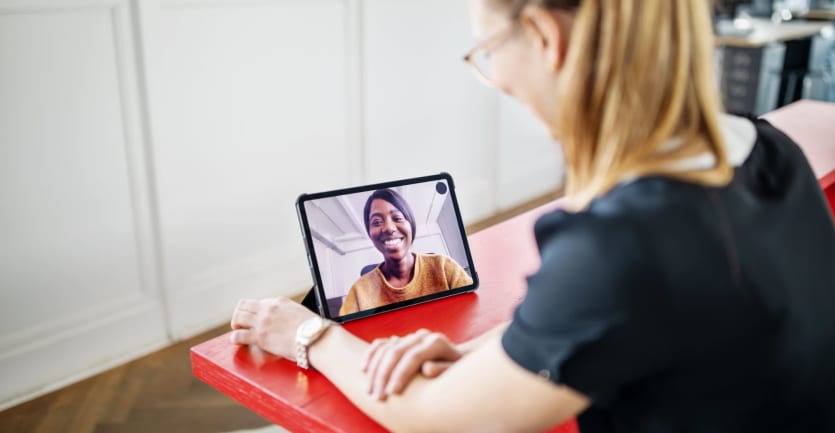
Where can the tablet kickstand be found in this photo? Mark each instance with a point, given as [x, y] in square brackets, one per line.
[309, 300]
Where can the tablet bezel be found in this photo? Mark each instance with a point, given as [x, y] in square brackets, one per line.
[321, 299]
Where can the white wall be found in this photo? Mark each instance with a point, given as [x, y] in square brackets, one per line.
[151, 152]
[79, 282]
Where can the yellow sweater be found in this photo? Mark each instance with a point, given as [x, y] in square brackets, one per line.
[433, 273]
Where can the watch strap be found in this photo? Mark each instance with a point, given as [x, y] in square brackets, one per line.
[302, 345]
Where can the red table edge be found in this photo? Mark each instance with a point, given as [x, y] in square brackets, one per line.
[827, 184]
[828, 181]
[257, 400]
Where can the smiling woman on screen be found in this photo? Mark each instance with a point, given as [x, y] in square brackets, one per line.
[403, 275]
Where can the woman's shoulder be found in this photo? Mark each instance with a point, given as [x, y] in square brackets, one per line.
[766, 161]
[368, 281]
[591, 255]
[439, 262]
[634, 225]
[616, 217]
[777, 160]
[433, 259]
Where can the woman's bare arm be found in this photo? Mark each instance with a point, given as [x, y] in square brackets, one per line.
[391, 363]
[468, 346]
[484, 391]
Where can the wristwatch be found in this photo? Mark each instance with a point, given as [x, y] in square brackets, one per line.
[306, 334]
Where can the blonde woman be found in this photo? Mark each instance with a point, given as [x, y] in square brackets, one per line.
[688, 287]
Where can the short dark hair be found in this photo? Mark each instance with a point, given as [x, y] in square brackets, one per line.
[396, 200]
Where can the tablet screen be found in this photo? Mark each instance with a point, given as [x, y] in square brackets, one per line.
[380, 247]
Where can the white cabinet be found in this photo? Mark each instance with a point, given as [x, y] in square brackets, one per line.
[79, 282]
[151, 152]
[248, 108]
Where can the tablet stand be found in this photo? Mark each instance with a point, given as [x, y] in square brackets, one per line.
[309, 300]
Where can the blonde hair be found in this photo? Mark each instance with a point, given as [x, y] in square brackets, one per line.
[637, 73]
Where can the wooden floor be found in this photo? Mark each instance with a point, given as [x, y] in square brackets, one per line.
[154, 394]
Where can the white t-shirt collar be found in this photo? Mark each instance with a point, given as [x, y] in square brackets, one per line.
[739, 136]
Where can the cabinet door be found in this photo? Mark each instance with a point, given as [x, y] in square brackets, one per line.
[249, 103]
[77, 268]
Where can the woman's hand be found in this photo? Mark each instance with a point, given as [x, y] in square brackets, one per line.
[269, 324]
[391, 363]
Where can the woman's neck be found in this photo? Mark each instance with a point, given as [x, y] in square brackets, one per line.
[400, 270]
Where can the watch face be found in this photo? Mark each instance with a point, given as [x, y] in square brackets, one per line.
[310, 327]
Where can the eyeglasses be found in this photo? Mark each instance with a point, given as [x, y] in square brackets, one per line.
[479, 57]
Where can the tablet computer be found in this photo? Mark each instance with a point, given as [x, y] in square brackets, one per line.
[381, 247]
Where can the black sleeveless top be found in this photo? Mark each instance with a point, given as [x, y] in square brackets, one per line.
[682, 308]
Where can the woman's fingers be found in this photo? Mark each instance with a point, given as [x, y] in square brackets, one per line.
[374, 360]
[243, 319]
[391, 363]
[270, 324]
[432, 348]
[371, 352]
[242, 336]
[433, 369]
[251, 305]
[375, 351]
[245, 312]
[386, 357]
[406, 368]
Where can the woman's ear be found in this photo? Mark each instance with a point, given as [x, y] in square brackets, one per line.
[546, 31]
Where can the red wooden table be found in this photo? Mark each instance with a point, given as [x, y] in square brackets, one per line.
[304, 401]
